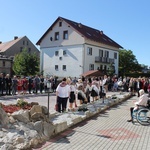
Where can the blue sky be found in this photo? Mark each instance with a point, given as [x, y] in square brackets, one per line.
[125, 21]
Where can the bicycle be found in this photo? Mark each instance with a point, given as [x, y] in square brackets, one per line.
[142, 115]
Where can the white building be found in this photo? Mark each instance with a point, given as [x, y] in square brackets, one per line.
[69, 48]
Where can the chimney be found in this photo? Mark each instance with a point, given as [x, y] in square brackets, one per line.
[101, 32]
[15, 37]
[79, 25]
[0, 42]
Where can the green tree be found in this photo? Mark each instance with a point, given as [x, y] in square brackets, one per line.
[26, 63]
[128, 62]
[111, 70]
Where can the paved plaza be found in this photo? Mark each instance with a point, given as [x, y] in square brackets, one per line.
[106, 131]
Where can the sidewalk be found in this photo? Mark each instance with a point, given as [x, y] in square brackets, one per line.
[106, 131]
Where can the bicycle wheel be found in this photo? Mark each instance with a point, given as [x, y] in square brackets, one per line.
[143, 116]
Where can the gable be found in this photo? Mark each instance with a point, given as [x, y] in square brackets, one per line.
[86, 32]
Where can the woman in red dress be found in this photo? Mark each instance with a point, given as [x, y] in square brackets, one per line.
[24, 85]
[19, 88]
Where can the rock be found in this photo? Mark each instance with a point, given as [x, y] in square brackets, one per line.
[48, 129]
[21, 115]
[7, 146]
[12, 120]
[38, 126]
[4, 119]
[34, 103]
[34, 142]
[45, 110]
[36, 113]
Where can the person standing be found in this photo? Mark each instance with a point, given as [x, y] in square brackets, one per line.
[62, 95]
[30, 84]
[36, 83]
[19, 87]
[14, 85]
[54, 83]
[2, 84]
[24, 85]
[41, 84]
[8, 84]
[72, 98]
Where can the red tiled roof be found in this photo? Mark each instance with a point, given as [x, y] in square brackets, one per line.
[87, 32]
[7, 45]
[95, 73]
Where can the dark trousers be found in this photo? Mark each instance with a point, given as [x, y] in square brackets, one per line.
[131, 111]
[62, 103]
[8, 89]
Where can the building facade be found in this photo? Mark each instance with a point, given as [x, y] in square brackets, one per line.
[69, 48]
[9, 49]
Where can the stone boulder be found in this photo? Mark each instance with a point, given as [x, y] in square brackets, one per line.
[4, 119]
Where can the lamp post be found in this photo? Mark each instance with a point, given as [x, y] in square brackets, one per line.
[48, 86]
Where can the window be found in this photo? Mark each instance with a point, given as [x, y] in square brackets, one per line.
[3, 63]
[29, 50]
[89, 51]
[91, 67]
[100, 53]
[64, 52]
[64, 67]
[21, 48]
[56, 36]
[60, 24]
[56, 67]
[101, 67]
[65, 35]
[106, 55]
[23, 42]
[51, 39]
[56, 53]
[115, 55]
[27, 42]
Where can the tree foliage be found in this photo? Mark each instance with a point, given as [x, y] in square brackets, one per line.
[128, 62]
[26, 63]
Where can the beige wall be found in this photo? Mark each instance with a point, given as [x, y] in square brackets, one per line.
[15, 49]
[8, 66]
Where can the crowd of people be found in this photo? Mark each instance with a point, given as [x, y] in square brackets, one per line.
[84, 89]
[26, 85]
[88, 90]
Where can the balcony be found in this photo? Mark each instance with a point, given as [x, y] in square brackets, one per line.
[104, 60]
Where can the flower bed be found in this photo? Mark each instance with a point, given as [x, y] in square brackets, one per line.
[21, 104]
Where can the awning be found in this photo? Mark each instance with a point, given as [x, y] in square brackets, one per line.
[91, 73]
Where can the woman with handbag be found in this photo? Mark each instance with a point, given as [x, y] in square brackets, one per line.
[62, 95]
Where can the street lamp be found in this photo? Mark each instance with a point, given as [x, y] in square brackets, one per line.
[48, 86]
